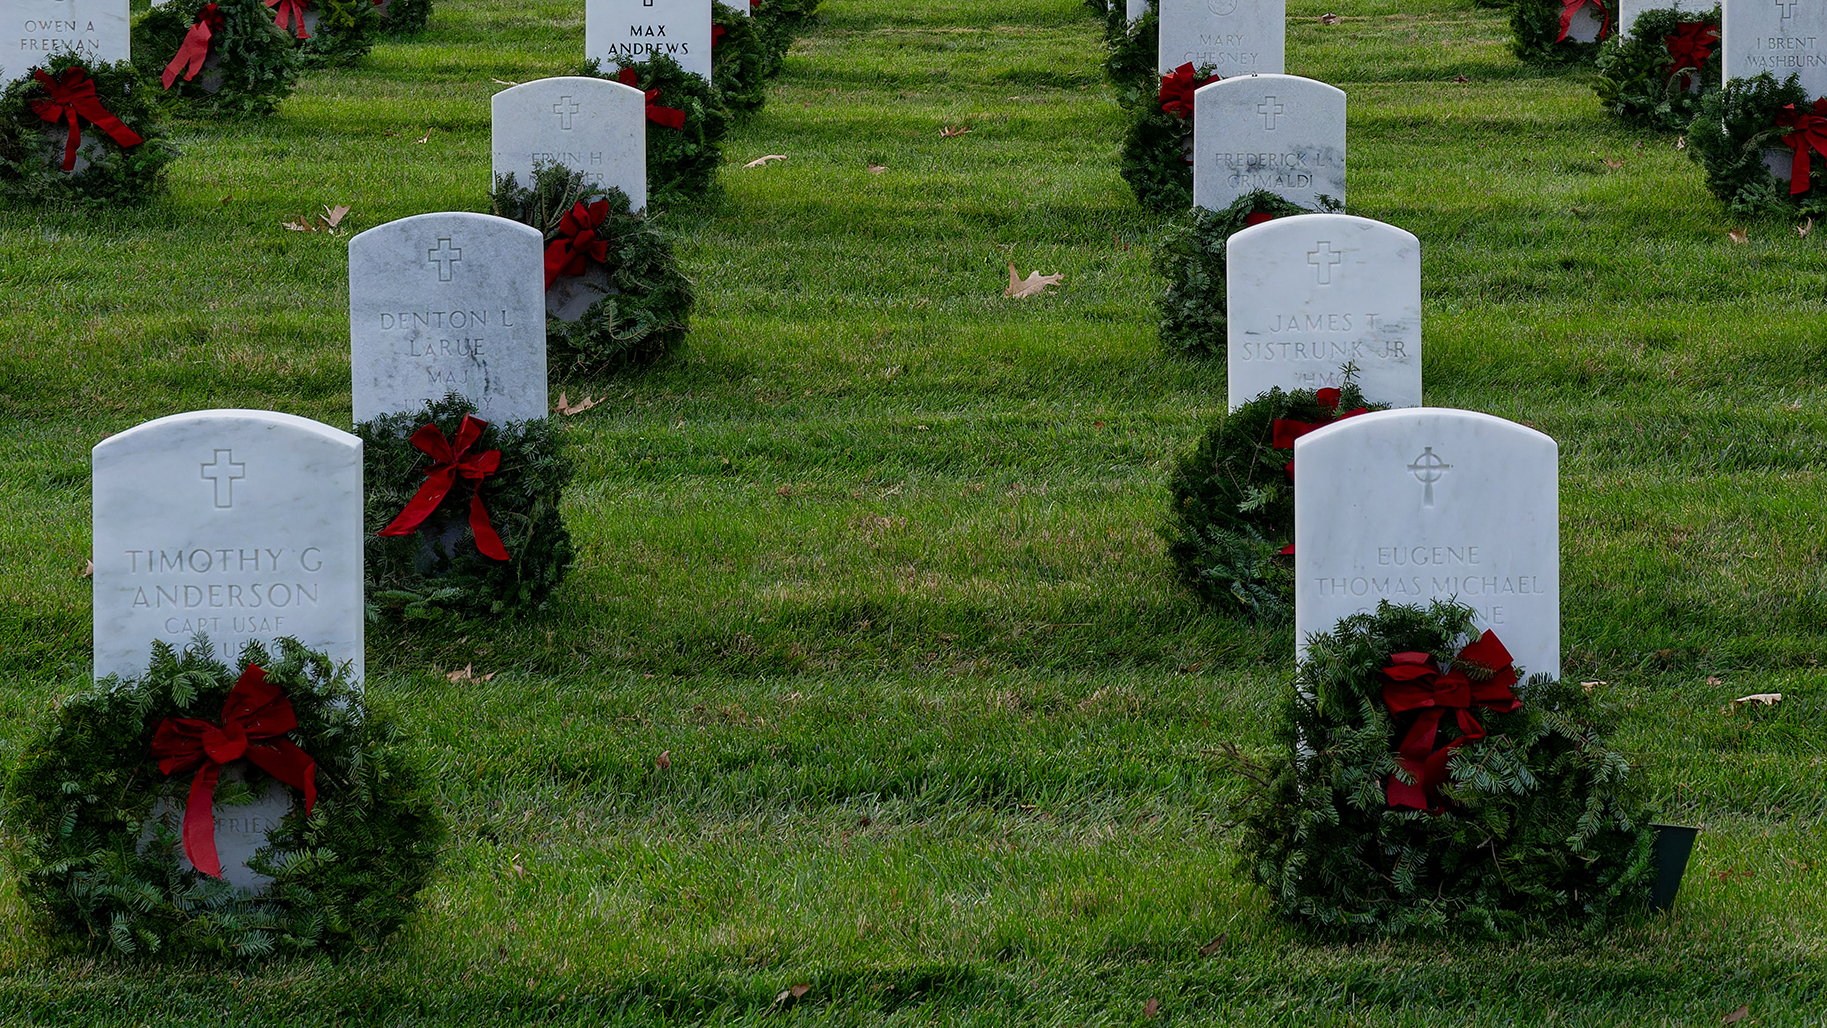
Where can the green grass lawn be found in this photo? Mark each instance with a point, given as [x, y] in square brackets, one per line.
[874, 558]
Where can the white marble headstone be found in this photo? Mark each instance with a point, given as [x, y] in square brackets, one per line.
[241, 829]
[1782, 37]
[240, 524]
[37, 30]
[634, 30]
[1416, 505]
[1308, 294]
[448, 303]
[1135, 9]
[1280, 133]
[741, 6]
[1629, 9]
[588, 124]
[1234, 37]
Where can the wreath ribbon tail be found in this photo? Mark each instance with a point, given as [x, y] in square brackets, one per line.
[190, 56]
[426, 500]
[200, 821]
[289, 764]
[487, 539]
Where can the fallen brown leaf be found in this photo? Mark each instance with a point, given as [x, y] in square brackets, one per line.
[565, 406]
[1614, 165]
[791, 993]
[1743, 1011]
[1330, 19]
[1589, 686]
[88, 569]
[877, 169]
[1151, 1008]
[501, 82]
[298, 223]
[762, 161]
[465, 674]
[1461, 78]
[225, 200]
[1738, 235]
[1034, 285]
[1215, 945]
[1714, 680]
[948, 131]
[424, 137]
[664, 760]
[1804, 228]
[333, 216]
[1768, 699]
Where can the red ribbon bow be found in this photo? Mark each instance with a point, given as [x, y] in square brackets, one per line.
[1177, 90]
[254, 717]
[442, 475]
[666, 116]
[1415, 684]
[1810, 131]
[1571, 7]
[195, 48]
[73, 97]
[292, 10]
[1690, 46]
[577, 241]
[1256, 218]
[1288, 430]
[717, 32]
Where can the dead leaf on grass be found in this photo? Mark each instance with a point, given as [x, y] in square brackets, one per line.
[1215, 945]
[467, 673]
[762, 161]
[1804, 228]
[1768, 699]
[1743, 1011]
[664, 760]
[1034, 285]
[424, 137]
[88, 569]
[1589, 686]
[1714, 680]
[1461, 78]
[948, 131]
[1330, 19]
[333, 216]
[1151, 1008]
[1613, 165]
[502, 82]
[791, 993]
[877, 169]
[1738, 235]
[299, 223]
[565, 406]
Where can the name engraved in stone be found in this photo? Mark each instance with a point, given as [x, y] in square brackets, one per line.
[566, 158]
[57, 44]
[1333, 351]
[247, 824]
[649, 31]
[222, 562]
[1786, 52]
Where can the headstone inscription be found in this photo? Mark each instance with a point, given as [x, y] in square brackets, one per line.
[37, 30]
[1416, 505]
[448, 303]
[241, 828]
[1629, 9]
[1281, 133]
[1782, 37]
[240, 524]
[634, 30]
[1234, 37]
[1309, 294]
[587, 124]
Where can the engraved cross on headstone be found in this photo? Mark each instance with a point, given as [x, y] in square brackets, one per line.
[1428, 469]
[566, 108]
[1323, 260]
[1269, 108]
[223, 471]
[445, 256]
[1787, 7]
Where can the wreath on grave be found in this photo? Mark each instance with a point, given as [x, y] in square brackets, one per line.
[97, 861]
[1763, 145]
[1158, 147]
[1540, 30]
[1192, 259]
[1657, 76]
[344, 32]
[462, 514]
[687, 121]
[592, 236]
[779, 23]
[738, 60]
[1230, 518]
[81, 132]
[254, 64]
[1134, 55]
[403, 17]
[1377, 815]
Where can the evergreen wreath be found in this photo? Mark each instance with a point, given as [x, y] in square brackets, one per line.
[682, 163]
[646, 312]
[344, 32]
[255, 66]
[404, 17]
[1536, 26]
[1744, 122]
[1230, 518]
[32, 148]
[1538, 824]
[1158, 147]
[1191, 257]
[738, 60]
[92, 869]
[1134, 52]
[438, 568]
[1656, 76]
[780, 23]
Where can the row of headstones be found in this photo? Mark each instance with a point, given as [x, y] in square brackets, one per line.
[99, 30]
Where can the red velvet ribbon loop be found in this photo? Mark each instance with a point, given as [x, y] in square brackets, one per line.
[717, 32]
[451, 462]
[1481, 676]
[290, 10]
[1178, 87]
[254, 717]
[577, 242]
[1287, 430]
[1691, 45]
[1569, 8]
[72, 97]
[666, 116]
[1808, 135]
[195, 48]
